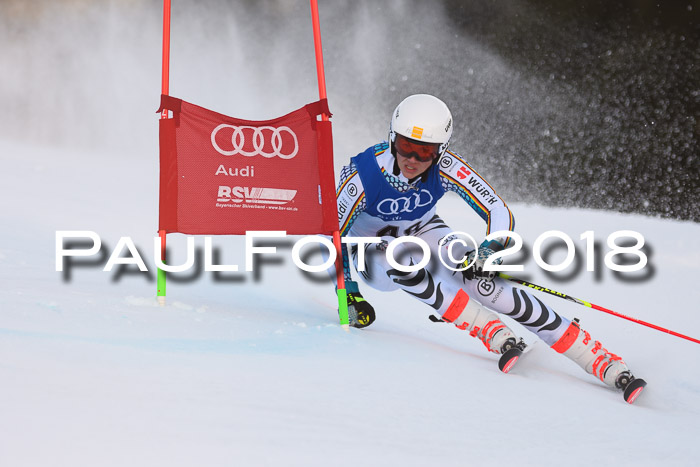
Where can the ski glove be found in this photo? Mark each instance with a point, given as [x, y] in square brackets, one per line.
[360, 312]
[476, 260]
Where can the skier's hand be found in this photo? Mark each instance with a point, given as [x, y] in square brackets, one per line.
[360, 312]
[476, 260]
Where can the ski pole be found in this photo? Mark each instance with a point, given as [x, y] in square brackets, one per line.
[594, 306]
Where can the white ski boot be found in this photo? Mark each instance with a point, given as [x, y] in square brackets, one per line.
[469, 315]
[590, 355]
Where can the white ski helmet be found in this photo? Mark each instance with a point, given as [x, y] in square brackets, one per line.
[423, 118]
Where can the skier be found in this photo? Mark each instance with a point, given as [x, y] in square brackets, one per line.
[390, 191]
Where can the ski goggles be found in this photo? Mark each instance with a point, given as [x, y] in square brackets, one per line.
[409, 148]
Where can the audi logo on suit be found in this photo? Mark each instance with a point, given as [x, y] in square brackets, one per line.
[408, 203]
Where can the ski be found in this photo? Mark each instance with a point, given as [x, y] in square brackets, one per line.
[511, 356]
[633, 389]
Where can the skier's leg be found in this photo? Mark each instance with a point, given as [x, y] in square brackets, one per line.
[380, 275]
[446, 297]
[425, 284]
[562, 335]
[521, 305]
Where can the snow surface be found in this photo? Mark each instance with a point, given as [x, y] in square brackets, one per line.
[255, 370]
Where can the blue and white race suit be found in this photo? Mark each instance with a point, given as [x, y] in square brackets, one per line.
[376, 200]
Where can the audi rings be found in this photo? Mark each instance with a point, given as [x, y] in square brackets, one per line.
[410, 203]
[257, 141]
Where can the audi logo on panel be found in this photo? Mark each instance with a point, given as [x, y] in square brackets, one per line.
[249, 141]
[409, 203]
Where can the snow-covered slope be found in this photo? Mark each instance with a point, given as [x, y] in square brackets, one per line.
[254, 369]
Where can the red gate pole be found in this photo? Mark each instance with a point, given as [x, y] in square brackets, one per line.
[342, 294]
[165, 85]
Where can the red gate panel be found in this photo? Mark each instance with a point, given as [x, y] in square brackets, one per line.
[224, 175]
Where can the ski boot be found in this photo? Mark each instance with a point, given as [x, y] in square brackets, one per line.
[590, 355]
[481, 323]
